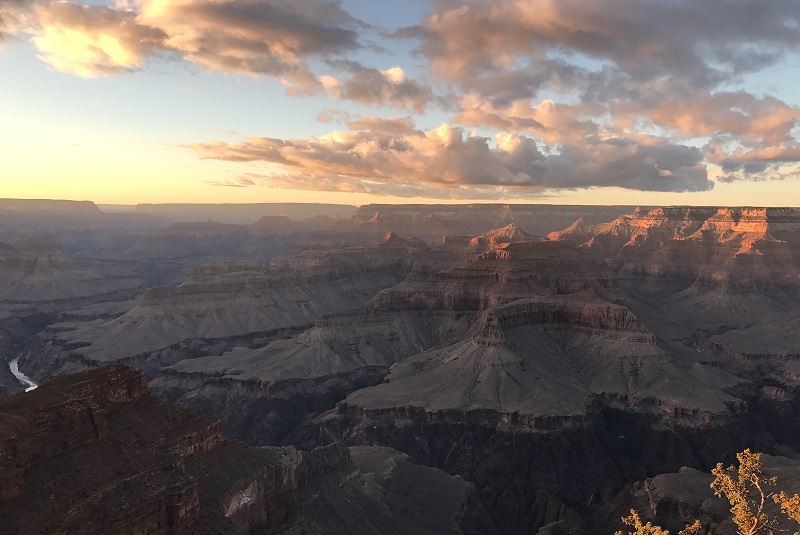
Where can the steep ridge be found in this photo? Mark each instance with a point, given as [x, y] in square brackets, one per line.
[745, 228]
[432, 222]
[491, 239]
[546, 357]
[715, 267]
[223, 304]
[268, 390]
[96, 453]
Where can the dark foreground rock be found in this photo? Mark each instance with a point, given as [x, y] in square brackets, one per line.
[95, 453]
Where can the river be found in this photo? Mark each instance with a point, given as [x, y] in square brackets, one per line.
[24, 379]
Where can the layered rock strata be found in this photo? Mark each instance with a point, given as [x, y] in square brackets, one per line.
[95, 453]
[225, 304]
[551, 374]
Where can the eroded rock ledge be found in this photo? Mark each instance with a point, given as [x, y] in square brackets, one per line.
[96, 453]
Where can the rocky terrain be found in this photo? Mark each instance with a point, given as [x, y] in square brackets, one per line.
[38, 280]
[554, 367]
[431, 222]
[66, 259]
[96, 453]
[224, 304]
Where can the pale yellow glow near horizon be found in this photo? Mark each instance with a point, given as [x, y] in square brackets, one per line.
[104, 165]
[174, 176]
[129, 187]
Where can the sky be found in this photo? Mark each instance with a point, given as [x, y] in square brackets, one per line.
[651, 102]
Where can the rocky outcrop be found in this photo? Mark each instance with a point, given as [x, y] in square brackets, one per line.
[61, 444]
[432, 222]
[583, 309]
[95, 453]
[489, 240]
[43, 430]
[716, 268]
[743, 229]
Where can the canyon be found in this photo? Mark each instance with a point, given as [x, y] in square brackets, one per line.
[100, 455]
[550, 366]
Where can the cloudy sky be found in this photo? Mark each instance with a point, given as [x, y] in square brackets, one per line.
[355, 101]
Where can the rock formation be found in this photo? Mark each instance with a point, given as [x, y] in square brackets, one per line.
[96, 453]
[554, 374]
[38, 280]
[493, 239]
[432, 222]
[225, 304]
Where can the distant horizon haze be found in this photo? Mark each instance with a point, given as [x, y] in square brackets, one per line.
[112, 208]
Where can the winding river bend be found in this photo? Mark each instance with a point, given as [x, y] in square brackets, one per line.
[24, 379]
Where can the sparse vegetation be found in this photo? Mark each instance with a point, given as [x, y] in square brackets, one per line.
[634, 521]
[747, 489]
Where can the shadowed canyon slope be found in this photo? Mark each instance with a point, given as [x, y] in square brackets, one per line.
[555, 368]
[96, 453]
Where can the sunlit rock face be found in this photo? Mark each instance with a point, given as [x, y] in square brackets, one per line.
[717, 267]
[432, 222]
[742, 227]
